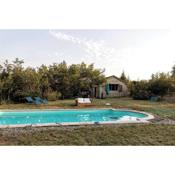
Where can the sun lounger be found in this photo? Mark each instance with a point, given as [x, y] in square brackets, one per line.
[29, 99]
[32, 101]
[83, 101]
[41, 100]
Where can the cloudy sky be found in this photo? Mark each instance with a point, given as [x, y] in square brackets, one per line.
[138, 52]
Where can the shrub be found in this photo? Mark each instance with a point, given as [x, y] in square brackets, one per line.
[139, 90]
[52, 96]
[160, 84]
[141, 95]
[157, 87]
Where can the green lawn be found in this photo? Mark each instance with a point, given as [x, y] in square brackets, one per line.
[131, 134]
[121, 134]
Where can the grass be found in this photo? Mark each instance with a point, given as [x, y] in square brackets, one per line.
[131, 134]
[123, 134]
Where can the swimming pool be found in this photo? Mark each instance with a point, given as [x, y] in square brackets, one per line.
[66, 117]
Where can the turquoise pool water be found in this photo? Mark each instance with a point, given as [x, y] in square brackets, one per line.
[63, 116]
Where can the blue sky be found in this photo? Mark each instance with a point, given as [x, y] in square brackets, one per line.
[138, 52]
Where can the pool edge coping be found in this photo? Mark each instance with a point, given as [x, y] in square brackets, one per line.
[139, 120]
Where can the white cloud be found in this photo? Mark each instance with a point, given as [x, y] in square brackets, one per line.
[95, 50]
[138, 62]
[62, 36]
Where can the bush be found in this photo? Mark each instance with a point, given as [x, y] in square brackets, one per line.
[141, 95]
[52, 96]
[157, 87]
[139, 90]
[160, 87]
[18, 95]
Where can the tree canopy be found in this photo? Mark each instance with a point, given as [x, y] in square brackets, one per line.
[173, 71]
[160, 84]
[67, 81]
[60, 80]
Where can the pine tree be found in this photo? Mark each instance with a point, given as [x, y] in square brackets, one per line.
[123, 77]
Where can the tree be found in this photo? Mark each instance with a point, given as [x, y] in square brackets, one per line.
[173, 71]
[1, 86]
[73, 80]
[139, 90]
[44, 84]
[31, 82]
[125, 79]
[59, 80]
[5, 76]
[24, 82]
[160, 84]
[17, 82]
[89, 76]
[123, 76]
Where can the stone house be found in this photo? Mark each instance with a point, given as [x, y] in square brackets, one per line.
[112, 88]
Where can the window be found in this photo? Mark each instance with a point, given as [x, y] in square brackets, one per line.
[113, 87]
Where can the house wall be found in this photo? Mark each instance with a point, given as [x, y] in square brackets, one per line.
[113, 80]
[101, 90]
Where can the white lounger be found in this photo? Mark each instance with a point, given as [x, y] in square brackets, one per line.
[83, 101]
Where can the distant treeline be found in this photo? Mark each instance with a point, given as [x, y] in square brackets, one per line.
[70, 81]
[159, 85]
[52, 82]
